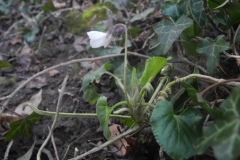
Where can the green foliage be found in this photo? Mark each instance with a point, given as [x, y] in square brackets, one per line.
[197, 98]
[152, 67]
[176, 134]
[90, 92]
[103, 113]
[4, 64]
[211, 50]
[49, 7]
[22, 127]
[169, 31]
[224, 134]
[71, 25]
[142, 15]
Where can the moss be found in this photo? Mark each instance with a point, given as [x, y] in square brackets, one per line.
[73, 22]
[76, 23]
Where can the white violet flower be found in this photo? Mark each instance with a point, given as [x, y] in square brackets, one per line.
[98, 39]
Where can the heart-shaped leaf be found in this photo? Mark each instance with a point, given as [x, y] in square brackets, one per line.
[90, 92]
[176, 134]
[103, 113]
[224, 134]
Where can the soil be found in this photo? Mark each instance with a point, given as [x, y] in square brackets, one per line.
[69, 133]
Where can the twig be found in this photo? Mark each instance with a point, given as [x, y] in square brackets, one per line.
[11, 110]
[145, 43]
[8, 150]
[54, 145]
[55, 118]
[118, 137]
[54, 67]
[234, 40]
[48, 153]
[73, 142]
[40, 42]
[231, 56]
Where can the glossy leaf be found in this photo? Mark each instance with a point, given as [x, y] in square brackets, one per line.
[197, 98]
[90, 92]
[103, 113]
[168, 31]
[234, 14]
[152, 67]
[211, 50]
[4, 64]
[170, 9]
[142, 15]
[198, 13]
[22, 127]
[224, 134]
[176, 134]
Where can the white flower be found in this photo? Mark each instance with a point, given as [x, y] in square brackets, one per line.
[98, 39]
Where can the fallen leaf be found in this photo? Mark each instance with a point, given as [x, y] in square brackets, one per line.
[78, 42]
[38, 82]
[28, 154]
[75, 4]
[59, 5]
[16, 40]
[23, 59]
[52, 73]
[96, 64]
[120, 144]
[35, 100]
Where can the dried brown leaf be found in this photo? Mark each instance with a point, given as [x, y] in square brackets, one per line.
[23, 59]
[38, 82]
[59, 5]
[52, 73]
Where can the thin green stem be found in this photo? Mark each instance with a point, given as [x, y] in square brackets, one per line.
[125, 61]
[78, 115]
[118, 104]
[117, 80]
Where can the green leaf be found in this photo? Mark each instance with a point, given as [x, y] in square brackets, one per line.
[116, 3]
[152, 67]
[30, 35]
[103, 113]
[168, 31]
[197, 98]
[104, 51]
[189, 44]
[90, 92]
[234, 14]
[211, 50]
[198, 14]
[176, 134]
[142, 15]
[22, 127]
[170, 9]
[4, 64]
[224, 134]
[48, 7]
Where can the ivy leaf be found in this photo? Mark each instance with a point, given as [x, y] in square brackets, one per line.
[4, 64]
[168, 31]
[152, 67]
[211, 50]
[197, 98]
[170, 9]
[224, 134]
[234, 14]
[103, 113]
[198, 14]
[90, 91]
[22, 127]
[176, 133]
[142, 15]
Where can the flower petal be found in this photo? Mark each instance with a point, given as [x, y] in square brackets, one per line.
[96, 35]
[97, 43]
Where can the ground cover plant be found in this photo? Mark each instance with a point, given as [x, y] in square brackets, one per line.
[164, 69]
